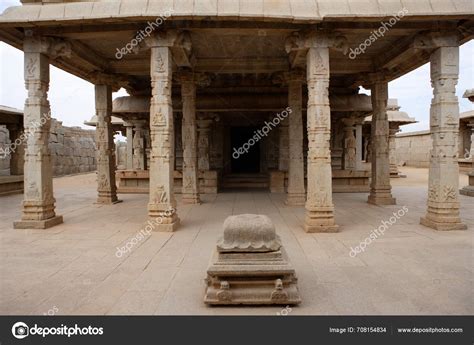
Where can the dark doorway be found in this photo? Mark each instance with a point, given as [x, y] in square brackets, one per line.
[241, 138]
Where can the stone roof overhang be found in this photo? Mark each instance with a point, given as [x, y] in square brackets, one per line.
[106, 11]
[97, 28]
[10, 116]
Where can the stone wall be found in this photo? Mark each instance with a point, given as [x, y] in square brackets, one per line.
[413, 149]
[72, 149]
[4, 142]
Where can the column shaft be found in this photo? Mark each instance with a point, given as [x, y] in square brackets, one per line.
[319, 206]
[443, 200]
[139, 147]
[296, 191]
[106, 187]
[38, 204]
[162, 204]
[380, 188]
[189, 137]
[359, 157]
[129, 133]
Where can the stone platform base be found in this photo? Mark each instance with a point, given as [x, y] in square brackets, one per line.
[321, 228]
[467, 191]
[38, 224]
[442, 226]
[138, 181]
[343, 181]
[12, 184]
[170, 227]
[251, 279]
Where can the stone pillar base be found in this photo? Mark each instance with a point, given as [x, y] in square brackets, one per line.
[38, 224]
[381, 200]
[107, 201]
[167, 224]
[191, 199]
[296, 199]
[469, 189]
[443, 226]
[320, 221]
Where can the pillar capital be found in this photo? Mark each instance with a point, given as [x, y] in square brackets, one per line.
[52, 47]
[438, 39]
[115, 81]
[316, 39]
[187, 76]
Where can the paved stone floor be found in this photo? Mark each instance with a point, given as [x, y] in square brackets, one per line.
[73, 268]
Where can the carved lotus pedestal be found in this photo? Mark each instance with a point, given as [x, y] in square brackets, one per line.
[250, 266]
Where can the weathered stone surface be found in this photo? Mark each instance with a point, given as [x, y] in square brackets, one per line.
[248, 233]
[250, 266]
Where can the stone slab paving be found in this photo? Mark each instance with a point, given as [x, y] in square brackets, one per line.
[73, 267]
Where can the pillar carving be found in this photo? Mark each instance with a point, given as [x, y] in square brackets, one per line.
[106, 187]
[204, 129]
[469, 189]
[139, 153]
[319, 205]
[380, 188]
[443, 199]
[393, 130]
[190, 190]
[349, 159]
[296, 190]
[162, 204]
[129, 134]
[283, 146]
[38, 205]
[359, 143]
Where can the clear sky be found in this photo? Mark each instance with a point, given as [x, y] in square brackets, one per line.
[72, 99]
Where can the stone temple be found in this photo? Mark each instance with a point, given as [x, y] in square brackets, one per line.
[238, 108]
[205, 77]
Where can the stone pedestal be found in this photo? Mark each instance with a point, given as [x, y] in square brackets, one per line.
[38, 204]
[443, 200]
[162, 134]
[106, 187]
[380, 188]
[250, 266]
[319, 205]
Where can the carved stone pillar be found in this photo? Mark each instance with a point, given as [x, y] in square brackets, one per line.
[359, 157]
[393, 130]
[283, 146]
[380, 188]
[129, 133]
[349, 159]
[469, 189]
[106, 187]
[17, 158]
[443, 202]
[189, 137]
[38, 204]
[139, 154]
[162, 205]
[296, 191]
[204, 129]
[319, 205]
